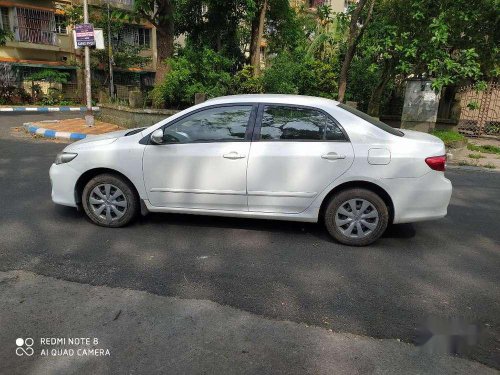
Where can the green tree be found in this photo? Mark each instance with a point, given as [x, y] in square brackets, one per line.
[269, 18]
[213, 24]
[161, 14]
[125, 55]
[448, 41]
[359, 19]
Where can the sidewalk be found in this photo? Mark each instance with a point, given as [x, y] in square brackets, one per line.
[473, 155]
[73, 129]
[151, 334]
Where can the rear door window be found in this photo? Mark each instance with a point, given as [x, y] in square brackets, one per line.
[288, 123]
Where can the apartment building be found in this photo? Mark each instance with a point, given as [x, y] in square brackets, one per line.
[335, 5]
[43, 40]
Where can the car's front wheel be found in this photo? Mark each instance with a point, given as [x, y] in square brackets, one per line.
[110, 201]
[356, 217]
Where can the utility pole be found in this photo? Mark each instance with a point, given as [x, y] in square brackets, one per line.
[111, 62]
[89, 116]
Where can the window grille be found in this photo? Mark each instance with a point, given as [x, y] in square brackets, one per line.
[35, 26]
[134, 35]
[61, 23]
[4, 18]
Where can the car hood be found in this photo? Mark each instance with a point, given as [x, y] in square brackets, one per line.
[100, 137]
[97, 140]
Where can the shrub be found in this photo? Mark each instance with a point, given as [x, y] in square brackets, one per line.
[53, 97]
[296, 73]
[13, 95]
[193, 71]
[49, 75]
[206, 71]
[244, 82]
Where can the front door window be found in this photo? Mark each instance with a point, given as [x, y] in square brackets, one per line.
[220, 124]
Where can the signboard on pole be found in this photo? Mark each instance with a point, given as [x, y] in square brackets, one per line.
[84, 35]
[98, 38]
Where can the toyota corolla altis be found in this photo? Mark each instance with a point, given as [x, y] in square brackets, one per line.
[281, 157]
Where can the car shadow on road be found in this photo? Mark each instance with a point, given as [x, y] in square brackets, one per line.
[400, 231]
[403, 231]
[69, 213]
[223, 222]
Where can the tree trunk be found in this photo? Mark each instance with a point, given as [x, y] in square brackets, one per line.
[345, 70]
[355, 34]
[257, 30]
[374, 104]
[165, 50]
[165, 35]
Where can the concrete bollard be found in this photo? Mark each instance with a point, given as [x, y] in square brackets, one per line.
[199, 97]
[135, 99]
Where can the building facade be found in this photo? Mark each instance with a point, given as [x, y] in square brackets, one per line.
[335, 5]
[42, 39]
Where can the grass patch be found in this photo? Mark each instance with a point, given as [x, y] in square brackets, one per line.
[488, 149]
[448, 137]
[476, 156]
[466, 163]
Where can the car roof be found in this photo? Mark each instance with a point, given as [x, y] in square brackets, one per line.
[274, 98]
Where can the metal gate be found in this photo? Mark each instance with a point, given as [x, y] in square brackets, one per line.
[480, 110]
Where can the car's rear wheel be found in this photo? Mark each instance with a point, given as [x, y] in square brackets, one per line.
[356, 217]
[110, 201]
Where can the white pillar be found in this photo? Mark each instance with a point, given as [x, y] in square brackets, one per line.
[89, 117]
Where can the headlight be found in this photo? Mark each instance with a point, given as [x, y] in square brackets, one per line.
[65, 157]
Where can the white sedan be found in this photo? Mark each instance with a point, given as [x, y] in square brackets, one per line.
[281, 157]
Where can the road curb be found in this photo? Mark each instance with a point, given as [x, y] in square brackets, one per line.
[473, 168]
[48, 133]
[47, 109]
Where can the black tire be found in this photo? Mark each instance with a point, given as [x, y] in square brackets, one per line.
[358, 195]
[126, 204]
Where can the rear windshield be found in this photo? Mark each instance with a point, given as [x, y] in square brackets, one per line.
[372, 120]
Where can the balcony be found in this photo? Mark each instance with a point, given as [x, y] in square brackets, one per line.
[316, 3]
[36, 36]
[124, 4]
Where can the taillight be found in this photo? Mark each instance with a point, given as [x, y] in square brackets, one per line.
[438, 163]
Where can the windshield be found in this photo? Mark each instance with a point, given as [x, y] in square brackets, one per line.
[372, 120]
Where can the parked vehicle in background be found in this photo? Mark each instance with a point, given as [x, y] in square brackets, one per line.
[282, 157]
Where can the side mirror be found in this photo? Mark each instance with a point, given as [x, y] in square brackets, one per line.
[157, 137]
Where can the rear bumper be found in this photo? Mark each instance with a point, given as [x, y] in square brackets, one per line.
[63, 179]
[419, 199]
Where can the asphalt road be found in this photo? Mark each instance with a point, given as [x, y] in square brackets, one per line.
[446, 269]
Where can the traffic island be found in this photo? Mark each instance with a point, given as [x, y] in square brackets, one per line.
[43, 109]
[71, 129]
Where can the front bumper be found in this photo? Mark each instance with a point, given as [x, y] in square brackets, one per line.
[419, 199]
[63, 179]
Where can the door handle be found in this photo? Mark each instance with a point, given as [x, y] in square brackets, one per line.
[333, 156]
[233, 155]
